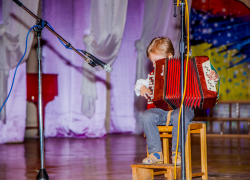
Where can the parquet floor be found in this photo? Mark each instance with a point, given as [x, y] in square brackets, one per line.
[109, 158]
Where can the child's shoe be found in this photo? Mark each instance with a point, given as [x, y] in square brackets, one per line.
[153, 158]
[178, 162]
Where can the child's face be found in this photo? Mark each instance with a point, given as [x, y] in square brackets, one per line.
[154, 57]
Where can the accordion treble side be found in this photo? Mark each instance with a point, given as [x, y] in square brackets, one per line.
[165, 84]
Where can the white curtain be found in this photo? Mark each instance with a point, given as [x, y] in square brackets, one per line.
[63, 116]
[13, 31]
[108, 19]
[158, 21]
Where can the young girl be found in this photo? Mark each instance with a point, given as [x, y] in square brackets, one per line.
[160, 48]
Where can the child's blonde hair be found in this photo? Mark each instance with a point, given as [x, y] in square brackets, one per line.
[160, 45]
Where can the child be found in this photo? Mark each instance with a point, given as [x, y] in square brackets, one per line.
[160, 48]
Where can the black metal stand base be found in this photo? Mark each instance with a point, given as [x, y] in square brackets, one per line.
[42, 175]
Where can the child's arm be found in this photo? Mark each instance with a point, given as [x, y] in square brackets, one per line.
[141, 88]
[214, 75]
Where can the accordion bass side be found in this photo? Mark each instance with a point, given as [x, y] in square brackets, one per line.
[165, 84]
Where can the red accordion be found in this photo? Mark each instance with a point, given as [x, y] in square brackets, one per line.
[165, 84]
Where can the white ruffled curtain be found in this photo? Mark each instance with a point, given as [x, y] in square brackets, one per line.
[110, 35]
[108, 19]
[158, 21]
[63, 115]
[13, 30]
[122, 78]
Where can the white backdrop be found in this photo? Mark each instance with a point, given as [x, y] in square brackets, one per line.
[108, 19]
[122, 40]
[13, 31]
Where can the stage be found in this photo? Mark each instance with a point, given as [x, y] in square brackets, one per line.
[110, 158]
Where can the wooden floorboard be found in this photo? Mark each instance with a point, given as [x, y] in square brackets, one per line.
[110, 158]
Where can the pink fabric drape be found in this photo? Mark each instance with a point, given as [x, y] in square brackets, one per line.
[71, 19]
[14, 26]
[123, 75]
[63, 115]
[14, 128]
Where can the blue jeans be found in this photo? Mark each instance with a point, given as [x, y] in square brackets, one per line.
[154, 117]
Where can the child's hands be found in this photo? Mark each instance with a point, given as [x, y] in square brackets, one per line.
[145, 92]
[213, 76]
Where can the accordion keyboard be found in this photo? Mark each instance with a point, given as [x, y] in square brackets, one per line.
[207, 69]
[151, 87]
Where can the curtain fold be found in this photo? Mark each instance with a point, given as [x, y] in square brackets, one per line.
[122, 78]
[63, 116]
[158, 21]
[13, 32]
[108, 19]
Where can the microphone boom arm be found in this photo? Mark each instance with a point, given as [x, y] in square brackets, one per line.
[89, 60]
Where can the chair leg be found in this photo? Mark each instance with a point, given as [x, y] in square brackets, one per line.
[165, 144]
[165, 148]
[203, 140]
[188, 156]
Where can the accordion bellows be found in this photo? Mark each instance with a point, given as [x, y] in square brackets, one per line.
[165, 84]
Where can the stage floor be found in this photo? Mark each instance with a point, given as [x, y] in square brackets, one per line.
[110, 158]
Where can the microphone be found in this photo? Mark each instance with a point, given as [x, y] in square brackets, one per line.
[18, 3]
[96, 61]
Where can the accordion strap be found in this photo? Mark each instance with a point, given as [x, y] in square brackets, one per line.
[168, 118]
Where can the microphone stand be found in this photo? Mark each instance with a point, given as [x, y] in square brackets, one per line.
[42, 175]
[182, 53]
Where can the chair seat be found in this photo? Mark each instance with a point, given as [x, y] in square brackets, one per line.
[197, 122]
[194, 125]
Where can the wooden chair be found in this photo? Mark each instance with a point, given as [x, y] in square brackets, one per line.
[193, 127]
[141, 171]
